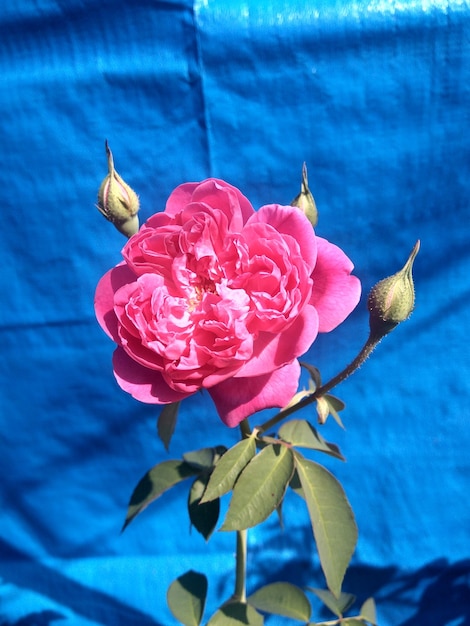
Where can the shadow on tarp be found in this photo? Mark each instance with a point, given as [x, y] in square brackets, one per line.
[40, 618]
[445, 593]
[436, 594]
[19, 569]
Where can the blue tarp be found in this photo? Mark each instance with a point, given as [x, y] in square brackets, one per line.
[375, 97]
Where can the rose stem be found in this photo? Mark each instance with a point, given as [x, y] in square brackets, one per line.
[240, 572]
[366, 350]
[242, 536]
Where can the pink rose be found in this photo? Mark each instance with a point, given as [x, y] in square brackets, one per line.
[214, 295]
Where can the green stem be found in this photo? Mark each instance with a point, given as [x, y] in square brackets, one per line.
[240, 567]
[366, 350]
[240, 572]
[245, 430]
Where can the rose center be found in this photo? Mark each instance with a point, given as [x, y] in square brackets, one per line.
[203, 286]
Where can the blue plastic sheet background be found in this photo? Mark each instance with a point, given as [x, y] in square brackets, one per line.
[375, 97]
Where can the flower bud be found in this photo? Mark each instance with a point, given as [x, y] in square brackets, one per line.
[391, 300]
[304, 201]
[117, 201]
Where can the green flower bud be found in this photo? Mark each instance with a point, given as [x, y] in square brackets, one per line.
[391, 300]
[304, 201]
[117, 201]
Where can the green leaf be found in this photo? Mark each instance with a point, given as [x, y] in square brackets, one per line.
[323, 410]
[339, 605]
[186, 598]
[228, 468]
[282, 599]
[236, 613]
[280, 516]
[335, 405]
[203, 516]
[296, 486]
[352, 621]
[314, 373]
[302, 434]
[333, 523]
[334, 402]
[205, 458]
[329, 405]
[260, 488]
[300, 395]
[369, 612]
[166, 422]
[155, 482]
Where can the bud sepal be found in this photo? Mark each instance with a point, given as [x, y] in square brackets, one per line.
[391, 301]
[118, 202]
[304, 200]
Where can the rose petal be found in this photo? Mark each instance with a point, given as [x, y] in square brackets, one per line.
[215, 193]
[290, 221]
[179, 198]
[335, 292]
[142, 383]
[147, 250]
[275, 350]
[236, 206]
[104, 298]
[238, 398]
